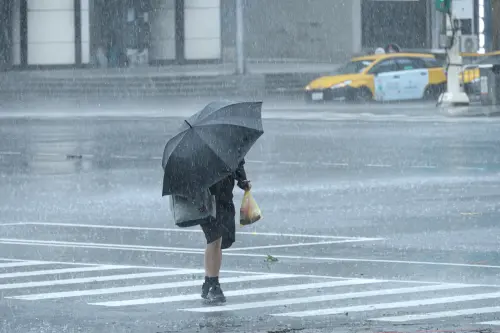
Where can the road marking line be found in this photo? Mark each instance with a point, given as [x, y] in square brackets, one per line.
[334, 164]
[100, 226]
[49, 154]
[11, 224]
[83, 244]
[495, 322]
[469, 168]
[323, 298]
[441, 314]
[59, 271]
[125, 157]
[72, 263]
[10, 153]
[96, 279]
[300, 244]
[423, 166]
[241, 292]
[147, 287]
[379, 165]
[394, 305]
[22, 264]
[253, 255]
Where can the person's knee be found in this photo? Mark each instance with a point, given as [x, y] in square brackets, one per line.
[216, 244]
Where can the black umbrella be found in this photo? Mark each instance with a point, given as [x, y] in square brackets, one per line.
[210, 145]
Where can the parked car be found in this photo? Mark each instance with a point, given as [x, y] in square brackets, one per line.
[381, 77]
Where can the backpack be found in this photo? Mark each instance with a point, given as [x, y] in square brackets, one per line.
[193, 210]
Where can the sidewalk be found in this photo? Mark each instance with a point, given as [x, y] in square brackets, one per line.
[261, 79]
[224, 69]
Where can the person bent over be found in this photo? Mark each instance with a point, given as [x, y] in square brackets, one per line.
[221, 233]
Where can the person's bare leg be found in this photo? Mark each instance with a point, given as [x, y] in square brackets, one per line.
[213, 258]
[211, 290]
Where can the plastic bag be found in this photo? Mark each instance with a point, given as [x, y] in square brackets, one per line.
[249, 210]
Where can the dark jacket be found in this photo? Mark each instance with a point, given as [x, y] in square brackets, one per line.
[223, 190]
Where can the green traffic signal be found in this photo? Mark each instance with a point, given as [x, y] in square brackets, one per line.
[443, 6]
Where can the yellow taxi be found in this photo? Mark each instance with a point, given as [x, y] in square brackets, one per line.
[381, 77]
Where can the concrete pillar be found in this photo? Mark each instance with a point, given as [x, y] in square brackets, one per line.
[202, 32]
[51, 32]
[16, 32]
[85, 32]
[356, 26]
[495, 20]
[162, 23]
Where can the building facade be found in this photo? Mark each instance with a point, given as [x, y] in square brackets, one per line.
[108, 33]
[114, 33]
[120, 33]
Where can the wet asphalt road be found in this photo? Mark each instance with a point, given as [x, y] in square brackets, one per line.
[371, 214]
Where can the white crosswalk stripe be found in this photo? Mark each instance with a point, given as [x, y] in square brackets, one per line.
[441, 314]
[493, 323]
[322, 298]
[280, 295]
[21, 264]
[241, 292]
[394, 305]
[144, 287]
[94, 279]
[59, 271]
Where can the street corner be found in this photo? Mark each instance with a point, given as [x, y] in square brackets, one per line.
[472, 110]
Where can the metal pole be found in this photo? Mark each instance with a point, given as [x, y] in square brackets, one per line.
[455, 95]
[240, 53]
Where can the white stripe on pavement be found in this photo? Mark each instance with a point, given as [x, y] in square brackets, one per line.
[93, 245]
[22, 264]
[494, 323]
[61, 271]
[127, 227]
[441, 314]
[300, 244]
[323, 298]
[394, 305]
[157, 286]
[239, 254]
[241, 292]
[96, 279]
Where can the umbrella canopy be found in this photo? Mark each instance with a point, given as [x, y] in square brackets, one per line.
[210, 145]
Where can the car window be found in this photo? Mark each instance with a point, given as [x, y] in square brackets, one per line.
[385, 66]
[407, 64]
[353, 67]
[431, 62]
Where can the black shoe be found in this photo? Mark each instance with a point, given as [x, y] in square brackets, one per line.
[204, 290]
[215, 295]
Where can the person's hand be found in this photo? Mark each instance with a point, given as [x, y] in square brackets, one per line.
[246, 185]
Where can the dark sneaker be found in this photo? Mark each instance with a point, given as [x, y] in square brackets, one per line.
[204, 290]
[215, 295]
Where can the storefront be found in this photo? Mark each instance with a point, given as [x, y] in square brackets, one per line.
[109, 33]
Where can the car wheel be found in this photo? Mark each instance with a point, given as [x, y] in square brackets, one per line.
[360, 95]
[433, 92]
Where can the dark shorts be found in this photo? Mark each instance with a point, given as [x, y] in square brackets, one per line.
[224, 226]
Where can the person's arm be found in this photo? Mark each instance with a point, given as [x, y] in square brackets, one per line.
[241, 177]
